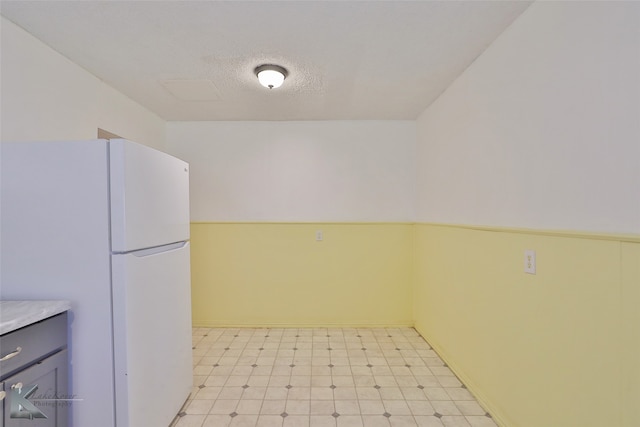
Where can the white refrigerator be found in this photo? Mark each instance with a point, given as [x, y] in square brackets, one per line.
[105, 224]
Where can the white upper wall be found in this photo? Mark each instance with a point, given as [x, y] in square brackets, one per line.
[298, 171]
[543, 129]
[47, 97]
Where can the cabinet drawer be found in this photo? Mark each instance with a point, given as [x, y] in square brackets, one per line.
[36, 341]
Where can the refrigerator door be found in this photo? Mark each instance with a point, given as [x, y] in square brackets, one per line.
[149, 197]
[152, 335]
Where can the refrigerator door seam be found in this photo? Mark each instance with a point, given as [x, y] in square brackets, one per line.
[114, 408]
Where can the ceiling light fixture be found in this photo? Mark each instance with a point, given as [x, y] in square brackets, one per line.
[271, 76]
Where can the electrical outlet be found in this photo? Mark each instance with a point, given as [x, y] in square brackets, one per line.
[319, 236]
[530, 261]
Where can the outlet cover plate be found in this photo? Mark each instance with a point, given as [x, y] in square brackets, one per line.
[530, 261]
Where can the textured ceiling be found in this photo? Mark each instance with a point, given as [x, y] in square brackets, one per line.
[194, 60]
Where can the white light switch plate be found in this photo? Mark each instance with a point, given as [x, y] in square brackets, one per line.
[530, 261]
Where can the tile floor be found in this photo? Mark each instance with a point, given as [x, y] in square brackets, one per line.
[323, 378]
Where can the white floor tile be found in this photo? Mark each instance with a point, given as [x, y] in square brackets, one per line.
[217, 421]
[481, 421]
[199, 406]
[191, 421]
[324, 377]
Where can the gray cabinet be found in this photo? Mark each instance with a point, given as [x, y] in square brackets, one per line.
[2, 396]
[34, 375]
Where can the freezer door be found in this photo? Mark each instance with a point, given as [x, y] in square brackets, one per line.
[149, 197]
[152, 335]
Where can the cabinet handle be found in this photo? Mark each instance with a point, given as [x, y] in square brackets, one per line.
[14, 353]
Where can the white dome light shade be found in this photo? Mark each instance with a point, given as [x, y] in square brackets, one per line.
[271, 76]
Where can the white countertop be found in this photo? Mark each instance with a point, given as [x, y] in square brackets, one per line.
[17, 314]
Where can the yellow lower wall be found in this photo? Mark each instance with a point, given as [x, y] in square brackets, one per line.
[630, 334]
[557, 349]
[270, 274]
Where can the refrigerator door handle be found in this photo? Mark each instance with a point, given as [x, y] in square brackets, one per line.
[157, 249]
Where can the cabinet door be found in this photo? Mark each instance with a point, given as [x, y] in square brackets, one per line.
[2, 400]
[50, 396]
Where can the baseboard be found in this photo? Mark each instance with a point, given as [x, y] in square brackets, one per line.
[364, 324]
[469, 384]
